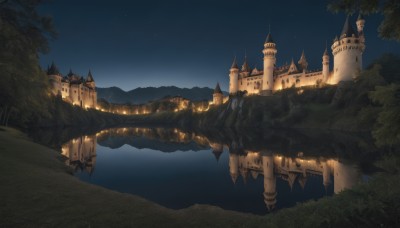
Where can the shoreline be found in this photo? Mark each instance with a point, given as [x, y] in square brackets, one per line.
[39, 191]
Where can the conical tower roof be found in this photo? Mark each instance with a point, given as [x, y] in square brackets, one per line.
[217, 89]
[53, 70]
[360, 17]
[245, 66]
[217, 154]
[234, 64]
[70, 73]
[269, 39]
[90, 77]
[347, 30]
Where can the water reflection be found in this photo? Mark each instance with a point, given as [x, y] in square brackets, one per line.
[290, 169]
[293, 167]
[81, 153]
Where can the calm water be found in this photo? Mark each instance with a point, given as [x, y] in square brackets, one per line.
[256, 174]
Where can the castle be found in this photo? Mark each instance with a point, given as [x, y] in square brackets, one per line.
[73, 88]
[347, 50]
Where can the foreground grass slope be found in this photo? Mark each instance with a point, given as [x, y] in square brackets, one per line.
[38, 190]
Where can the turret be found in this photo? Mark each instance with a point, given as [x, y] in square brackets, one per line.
[234, 166]
[360, 27]
[325, 65]
[269, 181]
[245, 71]
[303, 62]
[233, 77]
[55, 78]
[326, 174]
[217, 150]
[347, 55]
[217, 95]
[90, 81]
[53, 70]
[346, 175]
[269, 65]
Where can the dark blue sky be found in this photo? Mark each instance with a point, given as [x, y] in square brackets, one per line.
[190, 43]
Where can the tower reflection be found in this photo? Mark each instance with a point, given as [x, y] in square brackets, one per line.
[267, 161]
[291, 169]
[81, 153]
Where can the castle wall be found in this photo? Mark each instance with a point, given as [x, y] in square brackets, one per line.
[298, 80]
[252, 84]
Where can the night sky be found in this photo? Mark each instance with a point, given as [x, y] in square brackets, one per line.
[189, 43]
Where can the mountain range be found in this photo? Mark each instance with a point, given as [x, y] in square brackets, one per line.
[144, 95]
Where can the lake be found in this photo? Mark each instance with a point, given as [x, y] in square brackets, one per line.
[253, 172]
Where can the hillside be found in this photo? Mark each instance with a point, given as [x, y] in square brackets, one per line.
[143, 95]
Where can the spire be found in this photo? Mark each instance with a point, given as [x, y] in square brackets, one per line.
[245, 66]
[326, 48]
[303, 61]
[70, 72]
[89, 77]
[53, 69]
[360, 17]
[326, 51]
[348, 30]
[269, 39]
[234, 64]
[217, 154]
[217, 89]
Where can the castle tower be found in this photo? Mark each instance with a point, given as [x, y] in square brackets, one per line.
[269, 181]
[245, 71]
[217, 150]
[345, 176]
[55, 78]
[90, 81]
[325, 66]
[233, 77]
[269, 64]
[303, 62]
[360, 27]
[91, 99]
[326, 174]
[234, 166]
[217, 95]
[347, 55]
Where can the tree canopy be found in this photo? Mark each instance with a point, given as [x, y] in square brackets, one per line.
[389, 28]
[23, 84]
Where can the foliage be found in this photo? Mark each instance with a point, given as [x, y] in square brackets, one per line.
[388, 125]
[23, 85]
[390, 9]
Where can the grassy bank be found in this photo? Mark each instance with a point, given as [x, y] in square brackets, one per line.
[39, 191]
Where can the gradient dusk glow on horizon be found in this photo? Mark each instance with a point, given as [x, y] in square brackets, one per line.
[132, 44]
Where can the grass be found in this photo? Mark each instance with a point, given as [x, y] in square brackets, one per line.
[38, 190]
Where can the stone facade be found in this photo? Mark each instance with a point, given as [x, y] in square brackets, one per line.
[346, 49]
[73, 88]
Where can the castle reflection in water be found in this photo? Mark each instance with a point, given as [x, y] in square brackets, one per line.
[81, 155]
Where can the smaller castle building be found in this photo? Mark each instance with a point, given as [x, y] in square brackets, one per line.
[73, 88]
[218, 96]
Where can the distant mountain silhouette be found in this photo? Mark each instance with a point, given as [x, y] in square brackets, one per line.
[144, 95]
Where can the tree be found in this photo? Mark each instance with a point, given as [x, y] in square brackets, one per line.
[389, 28]
[387, 131]
[23, 84]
